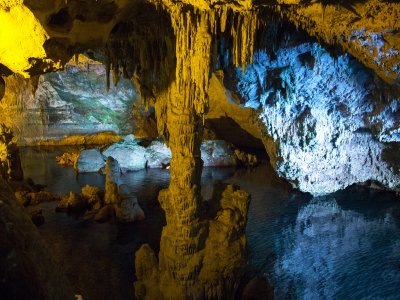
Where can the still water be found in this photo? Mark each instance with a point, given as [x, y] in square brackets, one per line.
[342, 246]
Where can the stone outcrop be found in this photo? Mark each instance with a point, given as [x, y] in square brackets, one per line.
[90, 161]
[216, 270]
[113, 172]
[368, 30]
[118, 197]
[322, 130]
[10, 164]
[27, 270]
[329, 122]
[129, 155]
[217, 153]
[188, 235]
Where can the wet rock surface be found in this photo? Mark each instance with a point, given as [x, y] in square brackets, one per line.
[131, 156]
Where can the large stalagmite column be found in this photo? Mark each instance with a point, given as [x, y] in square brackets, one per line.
[199, 258]
[185, 232]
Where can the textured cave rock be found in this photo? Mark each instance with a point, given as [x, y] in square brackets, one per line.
[70, 102]
[329, 121]
[27, 270]
[369, 30]
[130, 155]
[58, 29]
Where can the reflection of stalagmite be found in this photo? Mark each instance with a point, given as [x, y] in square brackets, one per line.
[112, 179]
[119, 197]
[199, 258]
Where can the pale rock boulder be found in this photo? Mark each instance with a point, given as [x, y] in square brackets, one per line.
[158, 155]
[90, 161]
[130, 155]
[217, 153]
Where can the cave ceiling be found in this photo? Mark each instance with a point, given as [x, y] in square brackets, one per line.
[41, 36]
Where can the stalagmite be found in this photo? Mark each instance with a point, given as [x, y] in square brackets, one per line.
[189, 265]
[112, 181]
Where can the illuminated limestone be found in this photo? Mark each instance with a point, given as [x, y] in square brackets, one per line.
[22, 38]
[130, 155]
[329, 122]
[51, 108]
[213, 271]
[198, 259]
[10, 164]
[369, 30]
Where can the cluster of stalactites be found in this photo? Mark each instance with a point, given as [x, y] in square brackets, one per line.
[142, 49]
[155, 60]
[197, 36]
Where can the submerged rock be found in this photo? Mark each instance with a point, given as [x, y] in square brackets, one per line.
[67, 159]
[33, 198]
[72, 203]
[90, 161]
[37, 217]
[93, 195]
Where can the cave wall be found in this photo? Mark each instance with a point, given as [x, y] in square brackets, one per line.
[330, 122]
[69, 102]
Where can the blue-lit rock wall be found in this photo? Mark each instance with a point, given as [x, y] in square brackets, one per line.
[329, 121]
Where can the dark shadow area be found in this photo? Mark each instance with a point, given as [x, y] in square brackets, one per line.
[60, 21]
[227, 129]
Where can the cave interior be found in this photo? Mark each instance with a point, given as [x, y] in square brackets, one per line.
[242, 149]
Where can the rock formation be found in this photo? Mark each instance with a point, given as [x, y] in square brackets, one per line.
[26, 268]
[65, 103]
[329, 122]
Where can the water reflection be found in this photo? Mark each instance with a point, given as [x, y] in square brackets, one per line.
[334, 253]
[342, 246]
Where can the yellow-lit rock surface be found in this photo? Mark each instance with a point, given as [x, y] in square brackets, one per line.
[21, 35]
[369, 30]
